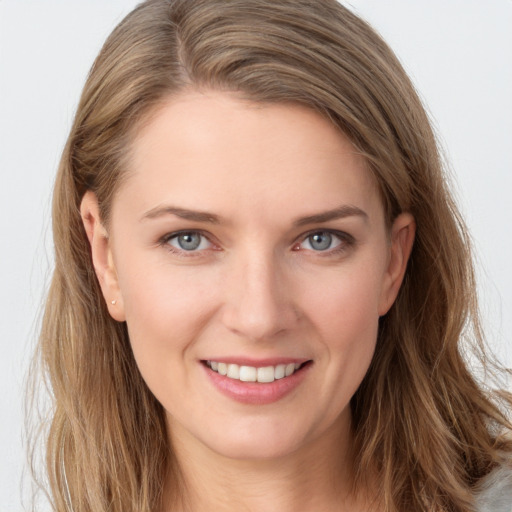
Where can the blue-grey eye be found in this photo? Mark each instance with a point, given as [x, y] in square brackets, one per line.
[191, 241]
[321, 241]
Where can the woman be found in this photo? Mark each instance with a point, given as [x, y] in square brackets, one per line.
[261, 282]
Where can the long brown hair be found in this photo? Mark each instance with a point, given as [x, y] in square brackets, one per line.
[421, 420]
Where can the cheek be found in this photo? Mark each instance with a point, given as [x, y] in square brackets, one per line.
[347, 302]
[165, 307]
[346, 317]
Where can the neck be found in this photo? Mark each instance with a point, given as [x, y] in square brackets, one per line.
[315, 477]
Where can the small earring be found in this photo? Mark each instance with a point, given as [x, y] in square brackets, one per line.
[114, 302]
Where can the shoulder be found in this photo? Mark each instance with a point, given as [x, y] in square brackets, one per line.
[494, 492]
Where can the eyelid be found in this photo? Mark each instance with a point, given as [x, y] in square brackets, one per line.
[164, 241]
[346, 241]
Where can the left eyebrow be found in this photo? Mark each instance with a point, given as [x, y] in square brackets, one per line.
[337, 213]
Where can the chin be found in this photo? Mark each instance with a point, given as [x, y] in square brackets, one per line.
[262, 438]
[255, 448]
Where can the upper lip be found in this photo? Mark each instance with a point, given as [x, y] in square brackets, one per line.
[258, 363]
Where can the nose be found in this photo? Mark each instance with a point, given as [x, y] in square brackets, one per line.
[258, 304]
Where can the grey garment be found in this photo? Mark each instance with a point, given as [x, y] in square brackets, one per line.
[494, 492]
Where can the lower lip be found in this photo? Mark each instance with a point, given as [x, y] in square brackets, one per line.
[257, 393]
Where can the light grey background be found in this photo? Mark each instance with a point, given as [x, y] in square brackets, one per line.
[459, 53]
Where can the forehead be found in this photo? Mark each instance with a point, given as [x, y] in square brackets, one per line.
[221, 153]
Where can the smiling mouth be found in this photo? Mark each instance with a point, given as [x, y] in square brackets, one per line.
[264, 374]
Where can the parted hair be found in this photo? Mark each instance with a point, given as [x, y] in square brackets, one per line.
[422, 422]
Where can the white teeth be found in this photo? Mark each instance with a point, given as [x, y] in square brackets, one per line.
[248, 374]
[279, 372]
[251, 374]
[266, 374]
[233, 371]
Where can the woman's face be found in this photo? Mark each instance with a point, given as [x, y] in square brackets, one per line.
[250, 239]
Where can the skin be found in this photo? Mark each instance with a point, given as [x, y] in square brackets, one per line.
[256, 287]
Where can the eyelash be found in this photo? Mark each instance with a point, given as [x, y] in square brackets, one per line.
[164, 242]
[346, 241]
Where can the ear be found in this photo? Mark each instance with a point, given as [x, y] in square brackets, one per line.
[102, 258]
[402, 239]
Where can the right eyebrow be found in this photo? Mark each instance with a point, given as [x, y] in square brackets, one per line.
[183, 213]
